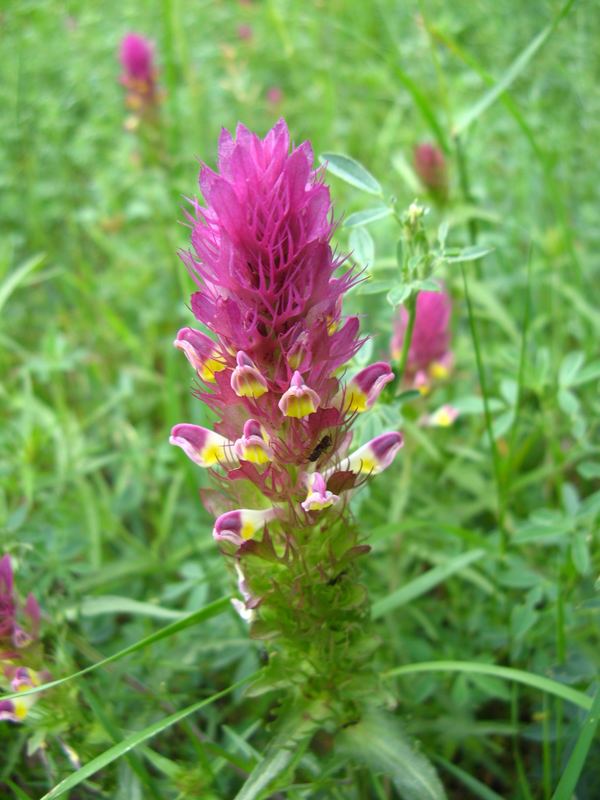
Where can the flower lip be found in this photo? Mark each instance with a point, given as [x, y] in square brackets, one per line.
[373, 457]
[299, 400]
[253, 445]
[202, 446]
[366, 386]
[240, 525]
[201, 352]
[318, 497]
[246, 380]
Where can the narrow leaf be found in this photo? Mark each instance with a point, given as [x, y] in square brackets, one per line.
[211, 610]
[473, 253]
[115, 752]
[424, 583]
[112, 604]
[474, 785]
[284, 750]
[367, 216]
[568, 782]
[507, 673]
[511, 74]
[363, 247]
[379, 742]
[351, 172]
[17, 276]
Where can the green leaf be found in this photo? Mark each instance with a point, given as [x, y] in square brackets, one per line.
[589, 470]
[211, 610]
[363, 247]
[17, 276]
[283, 751]
[568, 781]
[115, 752]
[507, 673]
[424, 583]
[351, 172]
[473, 785]
[473, 253]
[374, 287]
[590, 372]
[379, 741]
[399, 294]
[510, 75]
[112, 604]
[580, 553]
[570, 367]
[367, 216]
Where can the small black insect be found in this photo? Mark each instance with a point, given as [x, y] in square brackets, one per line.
[323, 445]
[337, 578]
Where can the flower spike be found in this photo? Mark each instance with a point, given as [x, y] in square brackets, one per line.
[201, 352]
[202, 446]
[299, 401]
[366, 386]
[246, 380]
[240, 525]
[318, 496]
[253, 445]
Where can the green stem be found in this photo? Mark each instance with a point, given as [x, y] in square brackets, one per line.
[487, 415]
[473, 232]
[411, 307]
[465, 186]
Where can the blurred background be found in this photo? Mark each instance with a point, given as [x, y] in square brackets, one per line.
[102, 516]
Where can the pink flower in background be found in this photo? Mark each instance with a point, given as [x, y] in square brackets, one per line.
[274, 95]
[429, 356]
[430, 166]
[270, 291]
[245, 32]
[17, 645]
[139, 71]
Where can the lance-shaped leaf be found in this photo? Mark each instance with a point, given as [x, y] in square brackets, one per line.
[379, 742]
[351, 172]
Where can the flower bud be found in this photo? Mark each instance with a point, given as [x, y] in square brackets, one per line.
[430, 166]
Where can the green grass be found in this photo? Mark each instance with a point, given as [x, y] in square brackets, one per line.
[483, 534]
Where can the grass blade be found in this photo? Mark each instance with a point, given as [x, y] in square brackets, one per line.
[478, 788]
[17, 276]
[506, 673]
[284, 750]
[424, 583]
[568, 782]
[118, 750]
[511, 74]
[211, 610]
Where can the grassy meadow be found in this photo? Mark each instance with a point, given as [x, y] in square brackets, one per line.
[484, 533]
